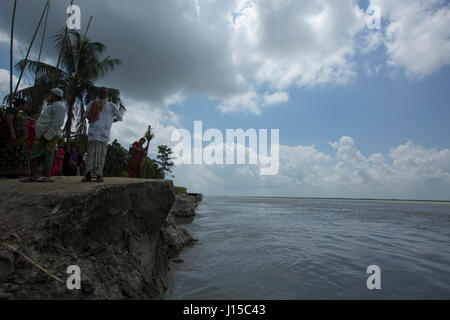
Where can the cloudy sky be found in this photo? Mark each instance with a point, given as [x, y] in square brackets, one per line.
[362, 112]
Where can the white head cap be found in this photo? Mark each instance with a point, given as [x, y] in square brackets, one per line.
[58, 92]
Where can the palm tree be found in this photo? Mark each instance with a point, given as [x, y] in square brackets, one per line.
[81, 65]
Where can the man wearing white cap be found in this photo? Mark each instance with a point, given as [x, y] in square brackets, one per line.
[48, 129]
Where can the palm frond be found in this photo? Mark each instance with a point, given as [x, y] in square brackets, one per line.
[108, 65]
[63, 43]
[35, 97]
[41, 70]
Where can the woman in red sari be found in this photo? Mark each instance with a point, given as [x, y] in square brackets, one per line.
[137, 159]
[59, 158]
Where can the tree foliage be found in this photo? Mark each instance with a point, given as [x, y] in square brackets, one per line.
[151, 170]
[82, 63]
[81, 143]
[117, 157]
[165, 159]
[116, 161]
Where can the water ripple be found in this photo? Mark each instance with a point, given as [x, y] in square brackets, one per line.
[315, 249]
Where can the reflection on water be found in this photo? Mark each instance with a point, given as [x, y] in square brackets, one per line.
[263, 248]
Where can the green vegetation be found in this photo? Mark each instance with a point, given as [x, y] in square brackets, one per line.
[181, 190]
[151, 170]
[117, 157]
[116, 161]
[80, 142]
[165, 159]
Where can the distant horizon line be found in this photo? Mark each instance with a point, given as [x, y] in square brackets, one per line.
[326, 198]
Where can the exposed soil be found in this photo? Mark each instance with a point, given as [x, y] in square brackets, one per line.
[119, 233]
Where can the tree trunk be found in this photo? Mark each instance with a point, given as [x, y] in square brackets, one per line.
[69, 121]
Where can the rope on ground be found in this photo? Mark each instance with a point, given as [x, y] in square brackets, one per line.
[10, 247]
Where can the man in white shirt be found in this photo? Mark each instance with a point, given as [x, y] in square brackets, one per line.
[101, 114]
[48, 130]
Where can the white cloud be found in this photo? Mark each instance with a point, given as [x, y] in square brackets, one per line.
[371, 69]
[372, 41]
[5, 82]
[283, 43]
[247, 101]
[408, 171]
[20, 47]
[139, 116]
[4, 38]
[236, 51]
[276, 98]
[417, 35]
[174, 99]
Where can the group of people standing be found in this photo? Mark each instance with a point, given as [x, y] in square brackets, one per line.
[17, 136]
[31, 143]
[67, 163]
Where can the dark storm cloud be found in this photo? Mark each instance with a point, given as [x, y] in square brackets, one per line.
[165, 46]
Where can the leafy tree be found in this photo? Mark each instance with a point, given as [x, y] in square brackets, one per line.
[81, 65]
[117, 157]
[81, 143]
[151, 170]
[116, 161]
[165, 159]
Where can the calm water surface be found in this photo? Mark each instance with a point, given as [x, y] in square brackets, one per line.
[263, 248]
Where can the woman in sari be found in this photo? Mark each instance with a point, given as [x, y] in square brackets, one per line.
[14, 158]
[137, 158]
[59, 158]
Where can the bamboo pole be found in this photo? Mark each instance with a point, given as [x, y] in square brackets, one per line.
[64, 42]
[34, 263]
[43, 38]
[74, 85]
[31, 45]
[57, 67]
[82, 43]
[11, 56]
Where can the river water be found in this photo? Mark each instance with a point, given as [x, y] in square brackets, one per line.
[284, 248]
